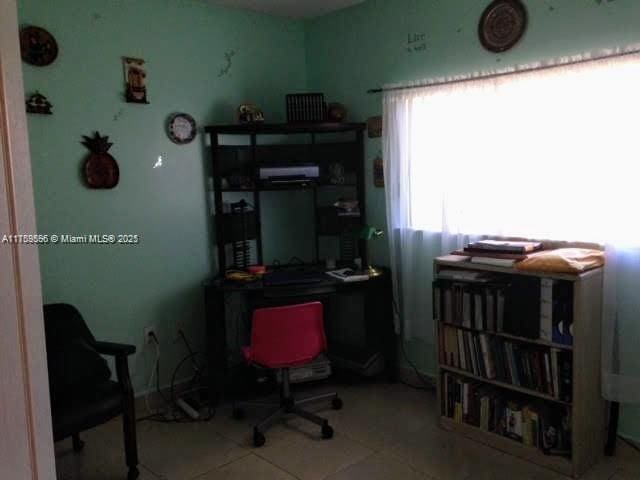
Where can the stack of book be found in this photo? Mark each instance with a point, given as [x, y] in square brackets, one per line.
[535, 424]
[499, 253]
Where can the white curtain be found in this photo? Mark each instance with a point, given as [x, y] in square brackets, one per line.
[550, 153]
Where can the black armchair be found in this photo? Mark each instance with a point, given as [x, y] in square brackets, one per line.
[82, 394]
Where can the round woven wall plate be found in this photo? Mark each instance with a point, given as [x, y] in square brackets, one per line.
[502, 25]
[37, 46]
[181, 128]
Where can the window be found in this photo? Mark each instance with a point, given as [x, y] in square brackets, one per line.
[549, 154]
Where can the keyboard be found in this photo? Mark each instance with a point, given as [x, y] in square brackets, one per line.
[287, 277]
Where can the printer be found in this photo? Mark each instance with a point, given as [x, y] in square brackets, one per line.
[289, 174]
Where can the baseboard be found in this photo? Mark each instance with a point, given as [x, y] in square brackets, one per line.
[405, 375]
[631, 438]
[411, 377]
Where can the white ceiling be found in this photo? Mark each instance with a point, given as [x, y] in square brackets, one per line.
[290, 8]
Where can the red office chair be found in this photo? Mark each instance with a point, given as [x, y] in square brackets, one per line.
[282, 338]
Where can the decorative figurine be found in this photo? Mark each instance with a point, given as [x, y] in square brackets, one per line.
[38, 103]
[249, 113]
[336, 112]
[100, 169]
[134, 77]
[37, 46]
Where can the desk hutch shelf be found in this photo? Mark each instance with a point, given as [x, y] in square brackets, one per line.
[586, 407]
[236, 169]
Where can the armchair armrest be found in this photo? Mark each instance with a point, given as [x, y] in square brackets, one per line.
[114, 349]
[121, 352]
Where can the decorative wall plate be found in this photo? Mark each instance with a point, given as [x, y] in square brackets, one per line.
[502, 25]
[100, 169]
[37, 46]
[181, 128]
[38, 103]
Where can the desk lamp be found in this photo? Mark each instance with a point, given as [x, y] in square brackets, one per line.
[369, 233]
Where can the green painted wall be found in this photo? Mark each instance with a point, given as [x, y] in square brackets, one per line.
[366, 46]
[122, 289]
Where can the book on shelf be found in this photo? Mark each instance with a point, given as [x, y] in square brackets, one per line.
[504, 246]
[522, 307]
[513, 421]
[464, 275]
[540, 369]
[348, 275]
[467, 255]
[474, 305]
[556, 311]
[455, 257]
[532, 422]
[516, 305]
[494, 262]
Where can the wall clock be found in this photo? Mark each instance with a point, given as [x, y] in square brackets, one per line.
[502, 25]
[181, 128]
[37, 46]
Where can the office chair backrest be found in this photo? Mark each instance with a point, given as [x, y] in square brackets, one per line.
[288, 336]
[63, 324]
[73, 363]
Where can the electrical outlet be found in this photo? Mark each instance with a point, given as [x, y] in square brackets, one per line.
[148, 331]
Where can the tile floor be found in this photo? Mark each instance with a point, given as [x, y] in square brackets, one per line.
[384, 432]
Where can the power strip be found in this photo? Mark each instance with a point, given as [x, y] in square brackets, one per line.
[188, 409]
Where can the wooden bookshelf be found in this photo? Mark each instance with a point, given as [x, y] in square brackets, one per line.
[588, 408]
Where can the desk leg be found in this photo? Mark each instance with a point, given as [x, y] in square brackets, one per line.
[216, 344]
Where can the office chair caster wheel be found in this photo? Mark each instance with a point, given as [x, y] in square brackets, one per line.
[258, 438]
[133, 473]
[327, 431]
[238, 413]
[336, 403]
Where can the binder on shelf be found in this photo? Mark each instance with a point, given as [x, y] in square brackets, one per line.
[522, 308]
[546, 309]
[461, 349]
[478, 308]
[490, 309]
[466, 308]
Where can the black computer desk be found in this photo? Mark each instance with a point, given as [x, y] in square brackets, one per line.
[358, 334]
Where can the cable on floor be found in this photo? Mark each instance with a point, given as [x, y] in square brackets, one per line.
[153, 373]
[173, 413]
